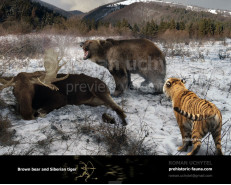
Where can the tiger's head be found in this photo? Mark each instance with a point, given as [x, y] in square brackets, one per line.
[172, 85]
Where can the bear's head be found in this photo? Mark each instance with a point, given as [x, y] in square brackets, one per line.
[95, 50]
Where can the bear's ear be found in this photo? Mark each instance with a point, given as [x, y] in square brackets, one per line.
[110, 40]
[105, 43]
[102, 42]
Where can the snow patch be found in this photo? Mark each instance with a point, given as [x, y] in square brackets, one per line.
[150, 118]
[213, 11]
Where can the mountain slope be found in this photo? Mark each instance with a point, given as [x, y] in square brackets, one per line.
[102, 11]
[138, 11]
[58, 10]
[76, 12]
[194, 8]
[26, 15]
[142, 12]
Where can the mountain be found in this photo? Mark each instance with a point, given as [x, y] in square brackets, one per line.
[138, 11]
[27, 15]
[141, 11]
[60, 11]
[194, 8]
[99, 13]
[24, 16]
[75, 12]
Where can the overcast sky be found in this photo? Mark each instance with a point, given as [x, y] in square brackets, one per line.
[87, 5]
[82, 5]
[214, 4]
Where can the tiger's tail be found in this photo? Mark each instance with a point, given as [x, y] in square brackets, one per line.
[194, 117]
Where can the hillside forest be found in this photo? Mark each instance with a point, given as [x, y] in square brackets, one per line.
[24, 16]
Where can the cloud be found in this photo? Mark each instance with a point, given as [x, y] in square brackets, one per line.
[87, 5]
[82, 5]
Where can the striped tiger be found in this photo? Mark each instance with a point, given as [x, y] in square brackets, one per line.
[195, 117]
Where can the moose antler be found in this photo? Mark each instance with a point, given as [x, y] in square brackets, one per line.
[46, 78]
[51, 64]
[6, 83]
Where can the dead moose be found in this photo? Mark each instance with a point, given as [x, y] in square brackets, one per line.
[40, 92]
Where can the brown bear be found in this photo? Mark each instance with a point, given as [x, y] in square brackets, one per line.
[122, 57]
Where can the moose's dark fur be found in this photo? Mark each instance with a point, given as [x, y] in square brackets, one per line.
[75, 90]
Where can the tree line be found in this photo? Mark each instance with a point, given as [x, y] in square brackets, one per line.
[201, 28]
[24, 16]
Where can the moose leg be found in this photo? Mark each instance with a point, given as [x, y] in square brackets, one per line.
[106, 99]
[54, 102]
[109, 102]
[26, 110]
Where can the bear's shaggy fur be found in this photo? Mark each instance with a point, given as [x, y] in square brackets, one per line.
[122, 57]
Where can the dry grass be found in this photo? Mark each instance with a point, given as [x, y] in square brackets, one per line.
[24, 47]
[175, 36]
[116, 138]
[6, 135]
[15, 27]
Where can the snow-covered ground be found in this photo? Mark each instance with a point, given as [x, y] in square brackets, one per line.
[188, 7]
[151, 129]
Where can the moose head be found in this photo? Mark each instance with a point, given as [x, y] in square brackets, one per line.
[24, 83]
[40, 92]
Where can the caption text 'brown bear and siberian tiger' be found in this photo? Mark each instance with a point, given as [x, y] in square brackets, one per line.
[123, 57]
[40, 92]
[195, 117]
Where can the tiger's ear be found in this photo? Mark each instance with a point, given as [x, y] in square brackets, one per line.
[183, 81]
[168, 84]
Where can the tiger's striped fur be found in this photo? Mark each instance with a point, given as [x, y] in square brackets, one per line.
[195, 117]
